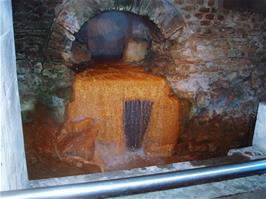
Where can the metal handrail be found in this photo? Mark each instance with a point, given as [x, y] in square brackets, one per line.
[140, 184]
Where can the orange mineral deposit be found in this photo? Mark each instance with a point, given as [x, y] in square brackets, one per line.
[133, 110]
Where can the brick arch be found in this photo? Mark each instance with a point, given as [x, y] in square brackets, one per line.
[71, 15]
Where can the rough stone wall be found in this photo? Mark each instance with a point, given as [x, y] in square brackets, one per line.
[216, 62]
[221, 69]
[32, 24]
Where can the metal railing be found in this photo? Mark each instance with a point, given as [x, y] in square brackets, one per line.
[140, 184]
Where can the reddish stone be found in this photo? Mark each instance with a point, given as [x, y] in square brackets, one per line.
[209, 16]
[199, 15]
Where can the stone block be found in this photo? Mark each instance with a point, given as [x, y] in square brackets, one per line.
[209, 16]
[204, 9]
[38, 67]
[27, 104]
[135, 50]
[188, 8]
[58, 105]
[259, 138]
[234, 53]
[79, 126]
[198, 15]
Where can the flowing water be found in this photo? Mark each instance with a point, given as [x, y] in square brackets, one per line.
[120, 117]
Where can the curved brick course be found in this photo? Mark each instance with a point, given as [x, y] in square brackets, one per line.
[73, 14]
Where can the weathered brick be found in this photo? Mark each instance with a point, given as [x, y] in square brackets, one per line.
[188, 8]
[204, 9]
[205, 23]
[209, 16]
[199, 15]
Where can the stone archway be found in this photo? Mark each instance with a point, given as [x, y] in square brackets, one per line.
[72, 14]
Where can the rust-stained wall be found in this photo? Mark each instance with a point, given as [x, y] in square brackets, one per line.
[101, 96]
[216, 62]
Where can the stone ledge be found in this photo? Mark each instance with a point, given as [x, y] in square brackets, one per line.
[140, 171]
[251, 152]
